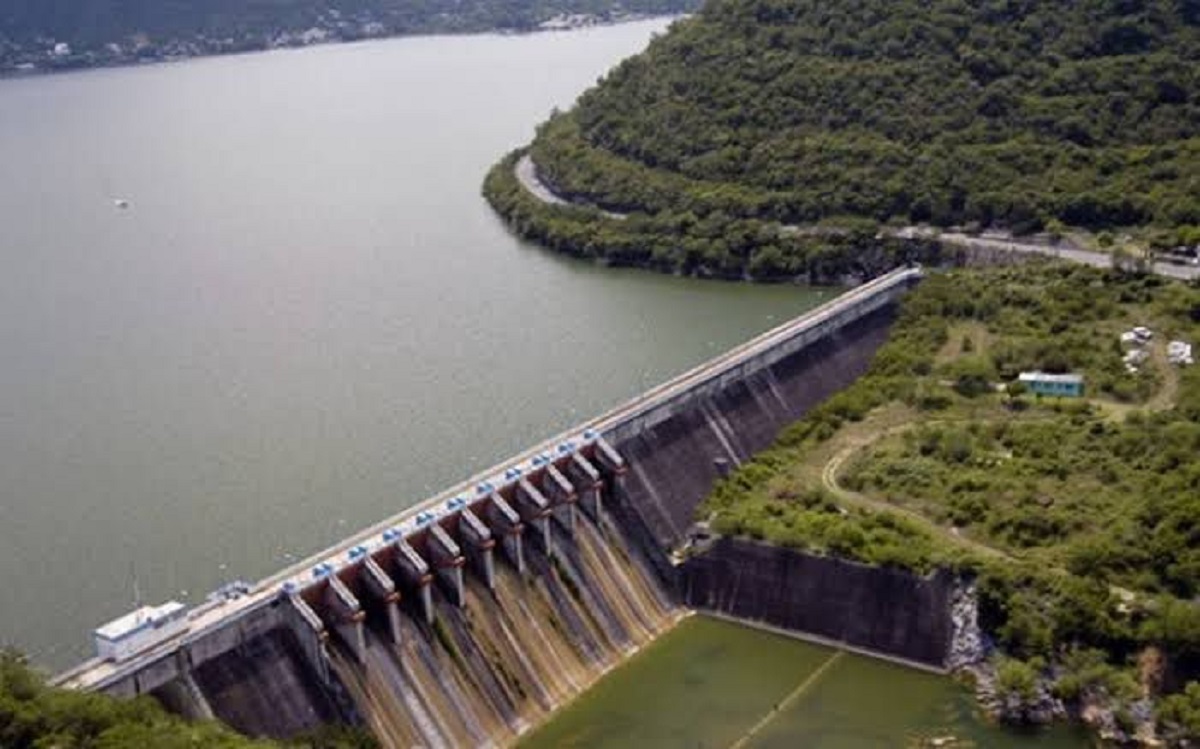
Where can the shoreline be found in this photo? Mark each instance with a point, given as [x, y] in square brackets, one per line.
[592, 22]
[995, 240]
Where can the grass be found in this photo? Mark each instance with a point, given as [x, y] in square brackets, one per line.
[1078, 516]
[1049, 481]
[964, 337]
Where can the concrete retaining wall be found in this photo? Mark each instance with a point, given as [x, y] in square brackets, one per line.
[675, 454]
[223, 639]
[884, 611]
[265, 688]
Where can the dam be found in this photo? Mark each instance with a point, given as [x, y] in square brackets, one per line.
[467, 619]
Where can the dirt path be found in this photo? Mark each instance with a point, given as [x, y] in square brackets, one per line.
[829, 479]
[1169, 392]
[832, 469]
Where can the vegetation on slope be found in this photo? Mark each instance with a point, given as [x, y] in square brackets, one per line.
[1081, 518]
[718, 245]
[35, 716]
[990, 112]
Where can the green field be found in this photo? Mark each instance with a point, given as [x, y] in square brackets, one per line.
[709, 683]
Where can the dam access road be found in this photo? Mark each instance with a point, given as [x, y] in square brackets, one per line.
[527, 174]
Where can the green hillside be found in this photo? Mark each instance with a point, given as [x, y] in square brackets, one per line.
[1080, 517]
[952, 112]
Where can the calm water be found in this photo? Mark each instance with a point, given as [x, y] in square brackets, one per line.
[307, 319]
[709, 684]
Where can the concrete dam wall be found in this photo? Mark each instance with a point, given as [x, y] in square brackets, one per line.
[883, 611]
[674, 460]
[472, 616]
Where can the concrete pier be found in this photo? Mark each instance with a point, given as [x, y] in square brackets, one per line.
[310, 633]
[380, 585]
[415, 574]
[562, 496]
[611, 460]
[507, 526]
[587, 479]
[477, 540]
[204, 711]
[448, 563]
[346, 615]
[535, 512]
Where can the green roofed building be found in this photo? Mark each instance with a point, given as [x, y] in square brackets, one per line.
[1061, 385]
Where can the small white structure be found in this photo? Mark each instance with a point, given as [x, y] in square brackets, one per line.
[1179, 352]
[1142, 333]
[1137, 355]
[140, 629]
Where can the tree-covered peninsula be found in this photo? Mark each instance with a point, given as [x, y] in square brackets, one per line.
[744, 139]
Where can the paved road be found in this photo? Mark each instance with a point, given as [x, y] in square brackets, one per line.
[1086, 257]
[527, 175]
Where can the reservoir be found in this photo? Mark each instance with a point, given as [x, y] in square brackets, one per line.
[305, 319]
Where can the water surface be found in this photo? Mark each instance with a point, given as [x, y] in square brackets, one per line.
[710, 684]
[306, 320]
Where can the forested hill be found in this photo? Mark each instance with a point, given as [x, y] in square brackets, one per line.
[1009, 112]
[112, 31]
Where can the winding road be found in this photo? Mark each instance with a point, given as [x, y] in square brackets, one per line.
[526, 173]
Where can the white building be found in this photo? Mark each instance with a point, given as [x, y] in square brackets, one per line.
[140, 629]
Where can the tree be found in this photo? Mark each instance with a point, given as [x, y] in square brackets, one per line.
[973, 376]
[1179, 714]
[1017, 681]
[1056, 230]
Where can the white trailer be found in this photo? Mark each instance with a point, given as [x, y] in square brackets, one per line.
[138, 630]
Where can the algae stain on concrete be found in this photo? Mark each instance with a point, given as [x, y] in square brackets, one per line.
[710, 684]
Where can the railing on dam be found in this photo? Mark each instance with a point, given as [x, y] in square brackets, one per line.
[492, 491]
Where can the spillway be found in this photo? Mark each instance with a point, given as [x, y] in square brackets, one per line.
[484, 672]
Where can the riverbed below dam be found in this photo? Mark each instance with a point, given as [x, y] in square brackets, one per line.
[714, 684]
